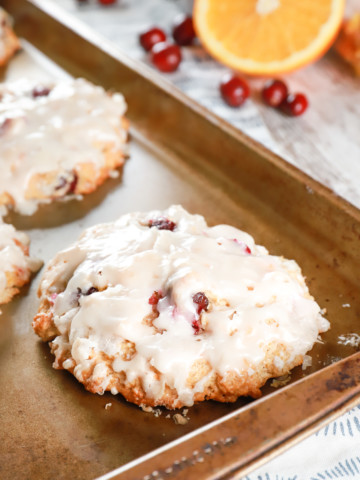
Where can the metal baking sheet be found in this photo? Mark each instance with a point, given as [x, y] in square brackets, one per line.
[180, 153]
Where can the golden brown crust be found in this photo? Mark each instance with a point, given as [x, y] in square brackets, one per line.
[216, 387]
[11, 45]
[83, 180]
[14, 280]
[43, 323]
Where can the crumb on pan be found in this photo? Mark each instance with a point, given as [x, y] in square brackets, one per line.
[180, 419]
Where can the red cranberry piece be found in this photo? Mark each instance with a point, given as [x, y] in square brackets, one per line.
[40, 91]
[245, 247]
[294, 104]
[202, 302]
[91, 291]
[234, 90]
[154, 300]
[155, 297]
[197, 327]
[152, 37]
[183, 30]
[72, 184]
[76, 296]
[163, 224]
[274, 92]
[63, 181]
[166, 57]
[106, 2]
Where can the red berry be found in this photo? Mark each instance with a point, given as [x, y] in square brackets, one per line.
[40, 91]
[234, 90]
[196, 326]
[155, 297]
[73, 184]
[274, 92]
[183, 30]
[91, 291]
[106, 2]
[151, 37]
[202, 302]
[166, 57]
[294, 104]
[69, 184]
[162, 224]
[243, 245]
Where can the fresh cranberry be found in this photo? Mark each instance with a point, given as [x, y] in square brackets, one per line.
[106, 2]
[151, 37]
[183, 30]
[234, 90]
[166, 57]
[163, 224]
[91, 291]
[274, 92]
[155, 297]
[40, 91]
[294, 104]
[201, 301]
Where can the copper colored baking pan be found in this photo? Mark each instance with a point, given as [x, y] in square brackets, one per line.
[180, 153]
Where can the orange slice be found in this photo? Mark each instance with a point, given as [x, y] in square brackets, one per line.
[348, 42]
[267, 37]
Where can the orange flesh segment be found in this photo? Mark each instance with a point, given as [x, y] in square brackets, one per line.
[237, 28]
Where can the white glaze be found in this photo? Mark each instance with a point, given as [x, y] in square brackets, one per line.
[54, 132]
[131, 261]
[12, 256]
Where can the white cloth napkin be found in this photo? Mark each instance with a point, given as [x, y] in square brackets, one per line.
[334, 451]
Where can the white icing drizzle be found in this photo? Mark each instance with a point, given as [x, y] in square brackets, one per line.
[12, 256]
[254, 299]
[54, 132]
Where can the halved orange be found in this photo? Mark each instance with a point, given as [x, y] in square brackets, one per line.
[267, 37]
